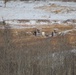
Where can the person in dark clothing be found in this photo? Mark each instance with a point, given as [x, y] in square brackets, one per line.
[52, 34]
[4, 22]
[37, 32]
[34, 33]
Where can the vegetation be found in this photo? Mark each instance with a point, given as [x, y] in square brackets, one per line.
[20, 55]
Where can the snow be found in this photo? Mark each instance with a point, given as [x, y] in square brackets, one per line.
[27, 10]
[66, 31]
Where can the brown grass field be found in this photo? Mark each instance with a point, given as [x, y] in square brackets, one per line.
[19, 38]
[26, 54]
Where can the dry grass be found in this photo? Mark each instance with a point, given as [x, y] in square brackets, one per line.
[56, 8]
[30, 55]
[18, 37]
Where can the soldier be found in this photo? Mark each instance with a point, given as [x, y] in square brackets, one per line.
[52, 34]
[3, 21]
[37, 32]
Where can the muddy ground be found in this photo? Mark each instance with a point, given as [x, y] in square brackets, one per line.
[26, 54]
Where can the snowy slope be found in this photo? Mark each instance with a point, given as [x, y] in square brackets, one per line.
[26, 10]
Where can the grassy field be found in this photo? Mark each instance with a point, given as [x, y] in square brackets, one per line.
[22, 54]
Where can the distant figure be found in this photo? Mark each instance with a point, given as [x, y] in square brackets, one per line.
[4, 22]
[37, 32]
[34, 33]
[52, 34]
[43, 33]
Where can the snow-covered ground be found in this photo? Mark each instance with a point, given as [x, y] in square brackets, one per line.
[27, 10]
[21, 10]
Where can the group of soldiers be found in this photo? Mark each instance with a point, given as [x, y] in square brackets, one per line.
[38, 32]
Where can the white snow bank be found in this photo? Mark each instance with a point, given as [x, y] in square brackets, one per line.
[26, 10]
